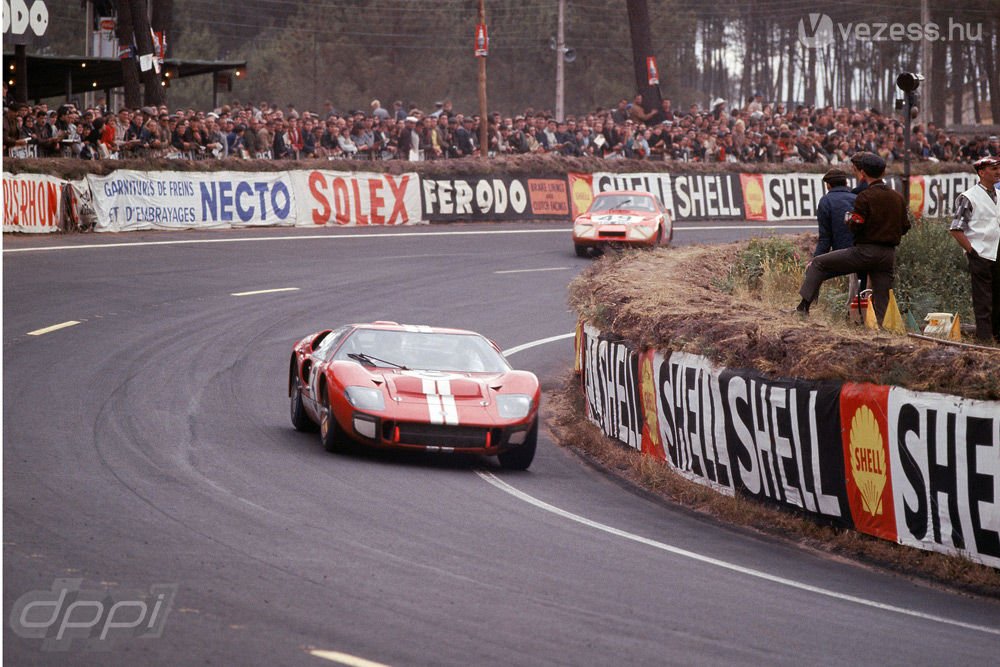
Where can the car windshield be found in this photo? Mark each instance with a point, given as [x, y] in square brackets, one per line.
[619, 202]
[420, 350]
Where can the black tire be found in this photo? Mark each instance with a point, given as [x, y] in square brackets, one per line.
[581, 250]
[330, 434]
[670, 238]
[300, 420]
[521, 457]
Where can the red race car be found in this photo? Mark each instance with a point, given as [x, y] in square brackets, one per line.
[389, 385]
[622, 218]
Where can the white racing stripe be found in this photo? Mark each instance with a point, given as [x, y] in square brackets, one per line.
[791, 583]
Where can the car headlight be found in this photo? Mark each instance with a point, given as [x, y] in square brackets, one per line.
[513, 406]
[365, 398]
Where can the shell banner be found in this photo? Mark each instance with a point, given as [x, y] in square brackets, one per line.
[916, 468]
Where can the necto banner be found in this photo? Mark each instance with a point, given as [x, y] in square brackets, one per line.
[128, 200]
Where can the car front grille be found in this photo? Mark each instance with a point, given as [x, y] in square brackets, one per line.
[441, 435]
[612, 235]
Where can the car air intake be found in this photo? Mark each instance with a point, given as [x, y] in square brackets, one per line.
[441, 435]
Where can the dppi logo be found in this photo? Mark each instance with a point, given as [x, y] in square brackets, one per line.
[64, 613]
[816, 31]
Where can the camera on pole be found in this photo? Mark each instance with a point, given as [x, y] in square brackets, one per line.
[908, 82]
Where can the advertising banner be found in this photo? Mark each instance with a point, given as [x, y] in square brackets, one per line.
[654, 183]
[581, 193]
[864, 432]
[356, 198]
[610, 372]
[128, 200]
[945, 473]
[707, 197]
[484, 198]
[783, 437]
[940, 191]
[32, 203]
[792, 196]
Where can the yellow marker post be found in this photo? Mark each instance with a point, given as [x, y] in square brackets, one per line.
[956, 329]
[871, 322]
[893, 320]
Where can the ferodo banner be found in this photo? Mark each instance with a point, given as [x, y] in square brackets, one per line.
[32, 203]
[494, 198]
[356, 198]
[131, 200]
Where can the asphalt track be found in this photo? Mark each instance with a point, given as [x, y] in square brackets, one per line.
[149, 444]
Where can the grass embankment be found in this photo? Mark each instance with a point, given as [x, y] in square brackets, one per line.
[725, 302]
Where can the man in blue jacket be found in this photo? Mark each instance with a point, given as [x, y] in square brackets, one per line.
[832, 212]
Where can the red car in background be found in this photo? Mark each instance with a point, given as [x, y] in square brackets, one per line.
[622, 218]
[396, 386]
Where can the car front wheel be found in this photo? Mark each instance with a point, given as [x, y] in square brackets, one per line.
[332, 436]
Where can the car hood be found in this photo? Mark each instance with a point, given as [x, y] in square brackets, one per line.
[416, 386]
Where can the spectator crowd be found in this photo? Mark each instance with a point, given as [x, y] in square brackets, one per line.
[755, 132]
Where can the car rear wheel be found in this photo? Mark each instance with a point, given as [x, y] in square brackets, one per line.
[300, 421]
[521, 457]
[332, 436]
[581, 250]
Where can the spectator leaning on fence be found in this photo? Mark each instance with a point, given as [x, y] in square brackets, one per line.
[878, 220]
[976, 227]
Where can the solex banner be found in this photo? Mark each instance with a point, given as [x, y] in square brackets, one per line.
[356, 198]
[485, 198]
[128, 200]
[32, 203]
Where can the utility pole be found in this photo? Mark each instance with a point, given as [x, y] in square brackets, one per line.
[642, 48]
[560, 62]
[925, 58]
[484, 140]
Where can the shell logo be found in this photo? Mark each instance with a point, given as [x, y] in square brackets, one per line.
[868, 459]
[647, 389]
[753, 197]
[582, 194]
[917, 196]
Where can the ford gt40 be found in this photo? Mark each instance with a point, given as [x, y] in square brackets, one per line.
[395, 386]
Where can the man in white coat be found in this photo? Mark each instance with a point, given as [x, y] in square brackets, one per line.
[976, 227]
